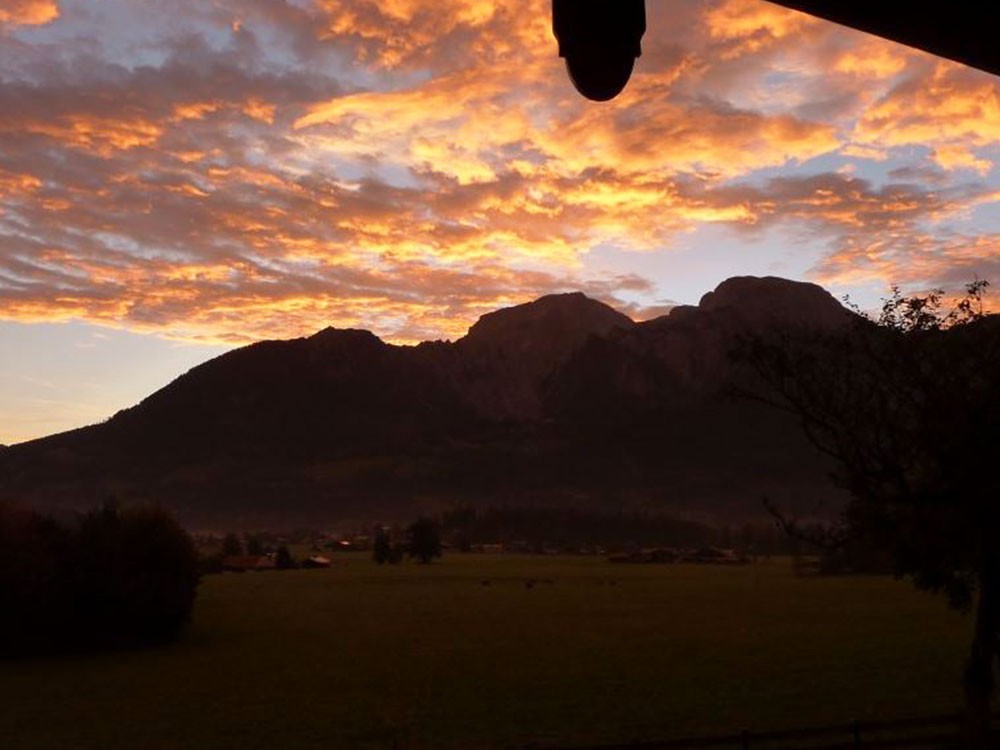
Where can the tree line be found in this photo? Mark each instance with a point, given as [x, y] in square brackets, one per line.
[545, 529]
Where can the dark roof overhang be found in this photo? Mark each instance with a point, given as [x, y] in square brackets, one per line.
[958, 30]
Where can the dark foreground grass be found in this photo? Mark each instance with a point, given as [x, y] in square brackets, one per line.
[430, 657]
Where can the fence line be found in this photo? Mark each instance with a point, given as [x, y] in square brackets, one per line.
[923, 731]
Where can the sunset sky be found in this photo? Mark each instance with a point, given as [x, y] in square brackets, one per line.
[178, 178]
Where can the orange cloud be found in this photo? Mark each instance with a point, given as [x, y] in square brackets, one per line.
[873, 58]
[194, 110]
[28, 12]
[959, 156]
[917, 259]
[748, 26]
[951, 109]
[12, 184]
[408, 33]
[259, 110]
[458, 126]
[101, 134]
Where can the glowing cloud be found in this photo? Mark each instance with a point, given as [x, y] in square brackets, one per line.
[950, 108]
[28, 12]
[749, 26]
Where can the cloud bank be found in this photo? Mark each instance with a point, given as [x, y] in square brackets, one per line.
[247, 169]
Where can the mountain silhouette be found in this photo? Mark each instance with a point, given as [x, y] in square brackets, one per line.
[560, 401]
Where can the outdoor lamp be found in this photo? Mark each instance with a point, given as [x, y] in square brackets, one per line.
[600, 40]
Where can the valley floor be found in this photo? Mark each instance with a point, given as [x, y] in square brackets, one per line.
[478, 651]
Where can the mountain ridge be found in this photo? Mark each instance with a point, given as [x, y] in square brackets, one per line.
[561, 400]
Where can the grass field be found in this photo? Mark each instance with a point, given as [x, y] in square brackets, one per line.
[430, 657]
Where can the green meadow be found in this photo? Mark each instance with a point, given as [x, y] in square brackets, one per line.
[479, 651]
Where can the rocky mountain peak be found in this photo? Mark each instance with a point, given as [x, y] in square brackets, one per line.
[769, 300]
[509, 353]
[331, 337]
[553, 323]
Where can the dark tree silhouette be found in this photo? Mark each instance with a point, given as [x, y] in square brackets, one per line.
[119, 576]
[135, 574]
[381, 546]
[396, 553]
[283, 559]
[907, 405]
[35, 593]
[255, 546]
[423, 538]
[231, 545]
